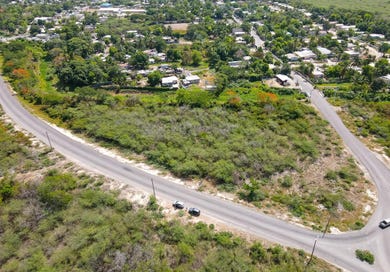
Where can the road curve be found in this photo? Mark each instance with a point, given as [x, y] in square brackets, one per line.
[337, 249]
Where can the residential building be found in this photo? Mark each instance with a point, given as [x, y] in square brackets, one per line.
[305, 54]
[283, 79]
[170, 82]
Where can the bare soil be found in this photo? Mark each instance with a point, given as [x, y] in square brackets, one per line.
[178, 27]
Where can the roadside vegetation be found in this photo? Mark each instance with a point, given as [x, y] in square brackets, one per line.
[370, 120]
[62, 221]
[364, 101]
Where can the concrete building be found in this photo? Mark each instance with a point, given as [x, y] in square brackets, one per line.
[170, 82]
[235, 64]
[283, 79]
[386, 79]
[193, 79]
[305, 54]
[324, 51]
[238, 32]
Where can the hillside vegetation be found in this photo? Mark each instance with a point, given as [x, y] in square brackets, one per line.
[59, 221]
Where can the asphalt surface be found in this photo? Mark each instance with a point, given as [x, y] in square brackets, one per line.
[337, 249]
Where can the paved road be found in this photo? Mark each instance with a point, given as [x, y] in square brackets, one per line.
[338, 249]
[379, 173]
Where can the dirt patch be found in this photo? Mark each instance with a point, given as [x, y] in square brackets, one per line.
[181, 27]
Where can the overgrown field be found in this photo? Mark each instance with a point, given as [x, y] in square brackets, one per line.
[64, 222]
[375, 6]
[258, 144]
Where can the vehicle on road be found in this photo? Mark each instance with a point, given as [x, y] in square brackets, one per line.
[194, 211]
[384, 223]
[178, 204]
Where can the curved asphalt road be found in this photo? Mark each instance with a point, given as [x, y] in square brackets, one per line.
[337, 249]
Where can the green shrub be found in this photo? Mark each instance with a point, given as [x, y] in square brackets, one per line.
[357, 225]
[258, 253]
[55, 189]
[194, 97]
[252, 192]
[8, 188]
[224, 239]
[286, 182]
[331, 175]
[95, 198]
[152, 204]
[346, 175]
[365, 256]
[348, 205]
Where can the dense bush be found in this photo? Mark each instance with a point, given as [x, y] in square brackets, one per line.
[216, 142]
[95, 231]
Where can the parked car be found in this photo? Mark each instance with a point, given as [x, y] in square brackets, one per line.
[194, 211]
[178, 204]
[384, 223]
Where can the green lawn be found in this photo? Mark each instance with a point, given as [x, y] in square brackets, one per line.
[380, 6]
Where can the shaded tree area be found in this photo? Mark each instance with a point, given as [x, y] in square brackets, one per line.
[23, 60]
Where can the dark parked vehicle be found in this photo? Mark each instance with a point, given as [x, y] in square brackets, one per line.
[178, 204]
[194, 211]
[384, 223]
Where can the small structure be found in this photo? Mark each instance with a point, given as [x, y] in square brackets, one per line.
[238, 32]
[377, 36]
[352, 53]
[240, 40]
[283, 79]
[170, 82]
[292, 57]
[191, 79]
[318, 73]
[305, 54]
[235, 64]
[324, 51]
[386, 79]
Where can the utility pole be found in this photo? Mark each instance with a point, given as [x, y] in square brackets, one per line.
[47, 135]
[311, 256]
[154, 191]
[327, 225]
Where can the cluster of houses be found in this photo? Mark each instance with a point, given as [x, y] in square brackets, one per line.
[174, 82]
[355, 45]
[358, 45]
